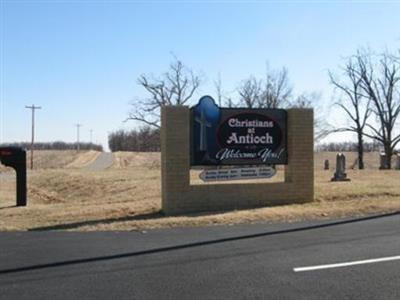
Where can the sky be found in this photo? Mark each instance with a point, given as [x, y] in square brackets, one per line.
[80, 60]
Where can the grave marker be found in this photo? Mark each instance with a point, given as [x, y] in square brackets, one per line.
[340, 174]
[384, 164]
[397, 167]
[326, 164]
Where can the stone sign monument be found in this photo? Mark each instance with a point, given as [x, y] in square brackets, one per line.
[240, 143]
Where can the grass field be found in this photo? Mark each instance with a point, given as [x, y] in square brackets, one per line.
[64, 195]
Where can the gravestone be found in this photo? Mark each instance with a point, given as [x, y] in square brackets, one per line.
[384, 164]
[340, 174]
[397, 167]
[326, 164]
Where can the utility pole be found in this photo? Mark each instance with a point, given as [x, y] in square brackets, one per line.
[91, 138]
[33, 108]
[77, 136]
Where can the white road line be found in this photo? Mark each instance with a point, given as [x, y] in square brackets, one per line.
[346, 264]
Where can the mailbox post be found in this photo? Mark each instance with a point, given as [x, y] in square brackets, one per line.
[15, 158]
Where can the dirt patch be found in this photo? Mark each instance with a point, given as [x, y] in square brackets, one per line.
[124, 160]
[83, 159]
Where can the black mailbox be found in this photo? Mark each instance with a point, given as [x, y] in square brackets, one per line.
[15, 157]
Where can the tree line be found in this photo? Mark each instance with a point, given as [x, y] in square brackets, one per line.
[144, 139]
[347, 147]
[58, 145]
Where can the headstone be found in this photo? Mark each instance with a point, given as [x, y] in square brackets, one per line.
[326, 164]
[397, 166]
[340, 174]
[384, 164]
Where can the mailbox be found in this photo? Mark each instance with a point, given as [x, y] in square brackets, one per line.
[15, 158]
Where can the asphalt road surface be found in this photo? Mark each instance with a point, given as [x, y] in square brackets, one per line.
[103, 161]
[344, 260]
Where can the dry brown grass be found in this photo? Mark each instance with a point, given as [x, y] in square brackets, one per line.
[136, 159]
[83, 159]
[51, 159]
[127, 197]
[56, 159]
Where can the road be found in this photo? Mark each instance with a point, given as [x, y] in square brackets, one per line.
[102, 162]
[231, 262]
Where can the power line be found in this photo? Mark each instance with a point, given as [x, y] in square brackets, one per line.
[33, 108]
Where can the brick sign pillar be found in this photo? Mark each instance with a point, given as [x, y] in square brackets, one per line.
[300, 167]
[179, 196]
[175, 156]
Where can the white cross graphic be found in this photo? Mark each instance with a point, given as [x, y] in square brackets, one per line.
[203, 130]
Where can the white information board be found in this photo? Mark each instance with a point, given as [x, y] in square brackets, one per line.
[237, 173]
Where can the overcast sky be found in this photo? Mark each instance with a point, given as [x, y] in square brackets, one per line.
[80, 60]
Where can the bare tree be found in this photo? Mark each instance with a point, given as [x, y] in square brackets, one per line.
[223, 97]
[175, 87]
[218, 90]
[354, 104]
[250, 92]
[380, 82]
[276, 91]
[229, 102]
[312, 100]
[305, 100]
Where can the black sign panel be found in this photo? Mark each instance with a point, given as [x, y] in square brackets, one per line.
[237, 136]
